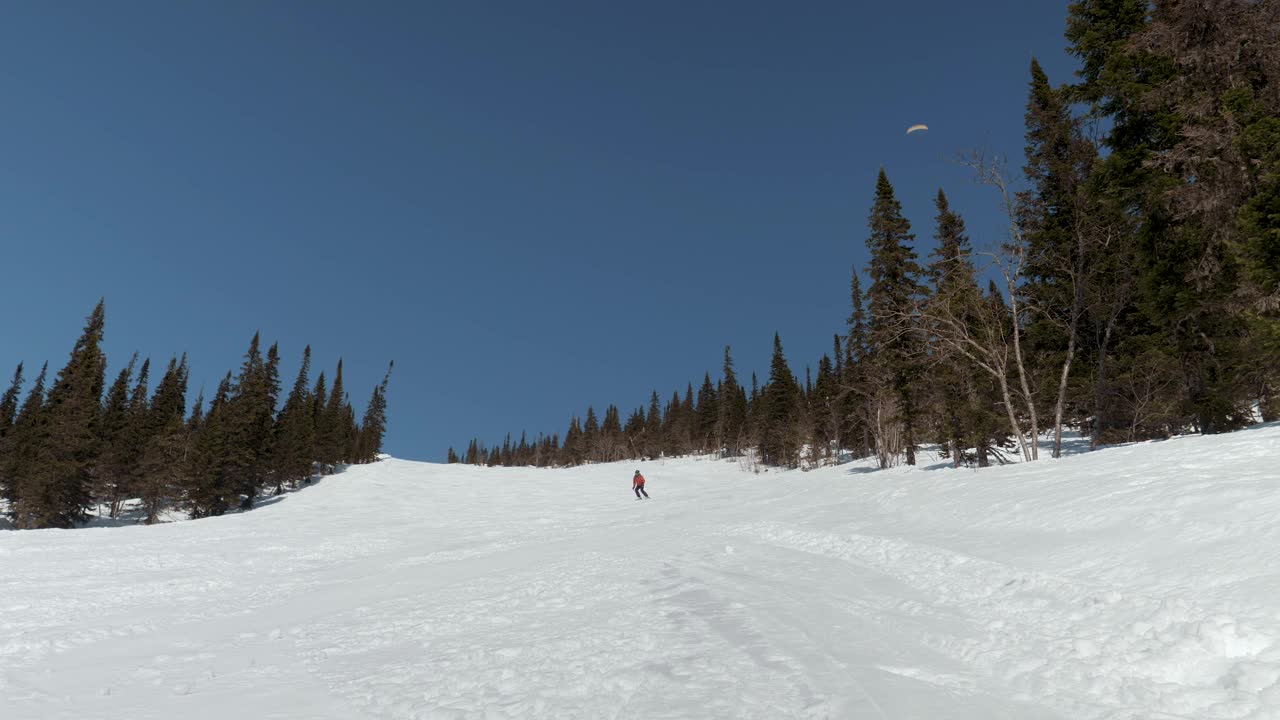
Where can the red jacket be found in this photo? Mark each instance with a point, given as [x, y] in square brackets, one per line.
[637, 481]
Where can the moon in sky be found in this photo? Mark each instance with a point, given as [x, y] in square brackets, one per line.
[916, 128]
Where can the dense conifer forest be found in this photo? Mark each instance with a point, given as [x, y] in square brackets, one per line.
[1136, 294]
[73, 443]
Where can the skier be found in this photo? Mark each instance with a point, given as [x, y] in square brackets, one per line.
[637, 484]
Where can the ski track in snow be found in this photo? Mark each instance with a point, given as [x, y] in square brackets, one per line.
[1134, 582]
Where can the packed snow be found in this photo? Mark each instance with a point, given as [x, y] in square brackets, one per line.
[1133, 582]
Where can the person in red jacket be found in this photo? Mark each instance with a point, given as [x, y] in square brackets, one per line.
[637, 484]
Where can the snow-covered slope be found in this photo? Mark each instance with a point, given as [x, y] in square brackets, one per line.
[1134, 582]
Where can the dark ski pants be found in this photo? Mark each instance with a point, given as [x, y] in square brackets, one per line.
[640, 489]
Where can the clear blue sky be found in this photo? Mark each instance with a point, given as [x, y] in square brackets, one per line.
[530, 207]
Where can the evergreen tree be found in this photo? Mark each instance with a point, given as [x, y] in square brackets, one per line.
[1064, 235]
[892, 335]
[250, 419]
[8, 416]
[160, 467]
[9, 403]
[196, 420]
[671, 427]
[708, 412]
[374, 425]
[634, 432]
[590, 434]
[733, 408]
[331, 429]
[295, 438]
[964, 397]
[57, 493]
[653, 440]
[610, 446]
[574, 451]
[111, 468]
[213, 461]
[778, 443]
[1188, 92]
[825, 411]
[855, 391]
[24, 445]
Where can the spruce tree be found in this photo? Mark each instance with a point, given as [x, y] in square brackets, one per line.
[295, 439]
[23, 446]
[673, 444]
[1190, 150]
[653, 441]
[574, 451]
[1064, 235]
[9, 403]
[196, 419]
[964, 397]
[779, 444]
[319, 401]
[213, 460]
[242, 419]
[733, 408]
[610, 447]
[855, 390]
[111, 468]
[590, 435]
[160, 468]
[331, 431]
[374, 425]
[708, 412]
[58, 493]
[895, 351]
[8, 416]
[824, 409]
[633, 432]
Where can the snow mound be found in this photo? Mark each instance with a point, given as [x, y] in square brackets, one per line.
[1133, 582]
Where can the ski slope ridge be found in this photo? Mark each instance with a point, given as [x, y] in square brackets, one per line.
[1134, 582]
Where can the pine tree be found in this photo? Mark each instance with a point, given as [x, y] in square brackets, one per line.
[590, 435]
[9, 403]
[825, 410]
[1063, 235]
[778, 442]
[574, 451]
[653, 440]
[111, 468]
[671, 427]
[374, 425]
[733, 408]
[196, 420]
[23, 446]
[213, 459]
[633, 432]
[331, 429]
[295, 439]
[267, 427]
[893, 339]
[57, 493]
[8, 417]
[965, 398]
[708, 412]
[1188, 92]
[243, 418]
[854, 387]
[160, 468]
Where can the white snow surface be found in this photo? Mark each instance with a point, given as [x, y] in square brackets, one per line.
[1133, 582]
